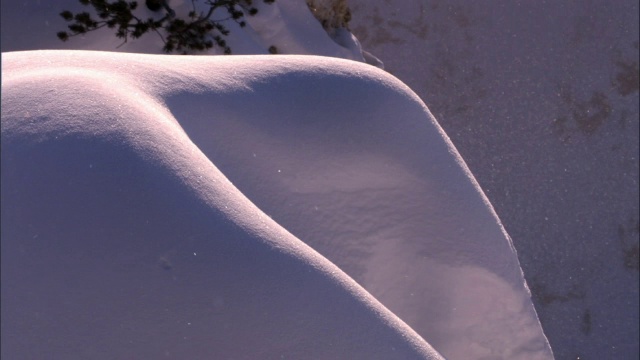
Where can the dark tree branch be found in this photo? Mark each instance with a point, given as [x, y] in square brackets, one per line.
[197, 33]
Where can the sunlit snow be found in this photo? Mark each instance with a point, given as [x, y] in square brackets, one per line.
[117, 169]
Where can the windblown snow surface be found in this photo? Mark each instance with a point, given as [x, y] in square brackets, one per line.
[116, 169]
[194, 207]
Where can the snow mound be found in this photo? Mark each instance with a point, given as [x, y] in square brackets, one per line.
[120, 239]
[129, 225]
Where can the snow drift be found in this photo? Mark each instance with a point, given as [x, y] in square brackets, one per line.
[129, 224]
[121, 239]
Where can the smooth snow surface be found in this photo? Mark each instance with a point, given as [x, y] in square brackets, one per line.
[121, 239]
[128, 226]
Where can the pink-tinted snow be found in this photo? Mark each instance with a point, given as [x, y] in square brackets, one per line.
[118, 169]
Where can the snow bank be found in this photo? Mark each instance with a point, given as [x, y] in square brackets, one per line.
[116, 205]
[121, 239]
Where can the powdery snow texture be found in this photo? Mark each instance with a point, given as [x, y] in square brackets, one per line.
[123, 234]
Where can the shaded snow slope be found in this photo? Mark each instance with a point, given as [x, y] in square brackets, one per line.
[113, 174]
[120, 239]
